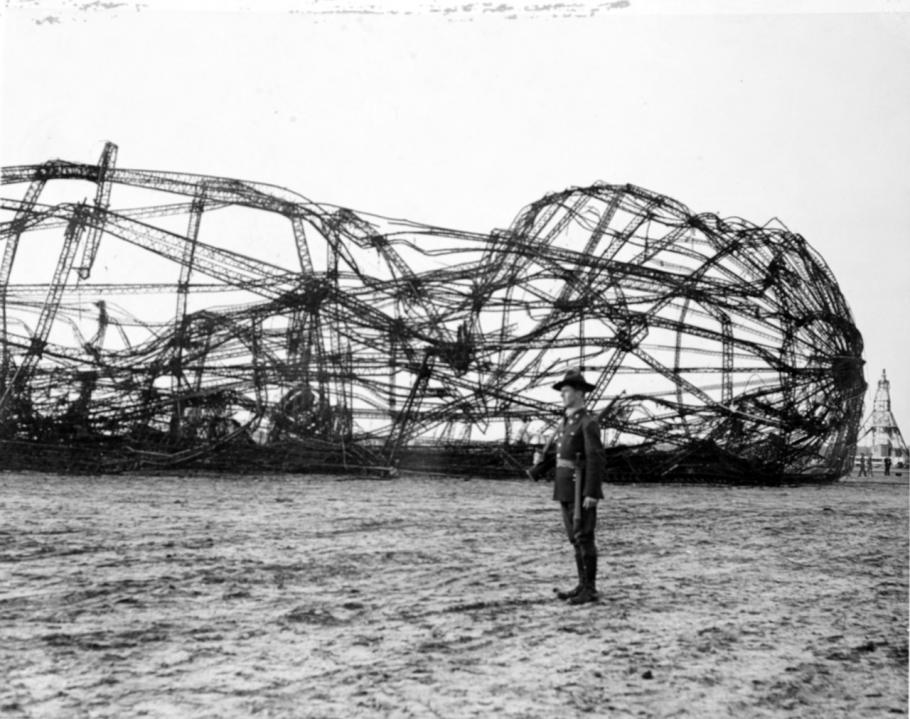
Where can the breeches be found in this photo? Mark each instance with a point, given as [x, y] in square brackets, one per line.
[583, 539]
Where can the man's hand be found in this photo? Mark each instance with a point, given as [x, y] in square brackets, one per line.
[538, 457]
[589, 503]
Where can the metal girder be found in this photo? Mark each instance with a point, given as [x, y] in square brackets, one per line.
[719, 335]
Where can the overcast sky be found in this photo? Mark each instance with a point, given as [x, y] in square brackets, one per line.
[461, 118]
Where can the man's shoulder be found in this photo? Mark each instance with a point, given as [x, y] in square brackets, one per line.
[590, 427]
[585, 417]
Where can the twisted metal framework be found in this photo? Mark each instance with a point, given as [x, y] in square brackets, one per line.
[227, 324]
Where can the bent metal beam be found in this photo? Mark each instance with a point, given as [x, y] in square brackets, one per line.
[310, 337]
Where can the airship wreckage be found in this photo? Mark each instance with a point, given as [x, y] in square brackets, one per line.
[205, 323]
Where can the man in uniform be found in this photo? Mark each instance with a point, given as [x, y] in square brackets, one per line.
[577, 456]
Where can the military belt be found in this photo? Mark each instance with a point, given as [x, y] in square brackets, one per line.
[560, 462]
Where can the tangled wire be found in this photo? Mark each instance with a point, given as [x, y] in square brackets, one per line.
[214, 320]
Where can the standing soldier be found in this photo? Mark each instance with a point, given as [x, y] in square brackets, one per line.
[862, 466]
[579, 462]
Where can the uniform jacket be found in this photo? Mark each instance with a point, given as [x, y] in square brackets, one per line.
[578, 434]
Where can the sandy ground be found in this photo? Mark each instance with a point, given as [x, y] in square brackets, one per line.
[417, 597]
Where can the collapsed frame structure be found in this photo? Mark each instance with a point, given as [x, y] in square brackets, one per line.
[222, 324]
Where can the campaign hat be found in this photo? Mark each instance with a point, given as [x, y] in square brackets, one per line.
[574, 378]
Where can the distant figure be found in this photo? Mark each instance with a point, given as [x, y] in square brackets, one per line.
[577, 459]
[862, 466]
[887, 466]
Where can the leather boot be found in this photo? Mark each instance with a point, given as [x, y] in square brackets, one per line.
[588, 591]
[580, 565]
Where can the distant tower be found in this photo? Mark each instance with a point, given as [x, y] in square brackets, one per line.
[887, 440]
